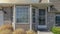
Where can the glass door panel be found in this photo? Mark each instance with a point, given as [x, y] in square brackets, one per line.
[41, 17]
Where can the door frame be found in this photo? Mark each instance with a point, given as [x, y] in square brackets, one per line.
[45, 14]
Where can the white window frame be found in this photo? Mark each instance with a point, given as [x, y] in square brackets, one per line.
[15, 15]
[35, 14]
[45, 15]
[55, 18]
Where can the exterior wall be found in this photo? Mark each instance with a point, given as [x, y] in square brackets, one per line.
[8, 15]
[23, 26]
[57, 6]
[50, 19]
[51, 15]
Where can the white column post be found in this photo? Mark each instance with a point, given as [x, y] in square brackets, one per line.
[48, 1]
[30, 17]
[14, 19]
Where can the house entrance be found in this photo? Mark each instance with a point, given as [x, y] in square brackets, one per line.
[41, 17]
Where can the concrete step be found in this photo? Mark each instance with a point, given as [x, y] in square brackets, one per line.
[38, 32]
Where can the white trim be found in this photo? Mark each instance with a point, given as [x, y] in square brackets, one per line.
[49, 9]
[14, 19]
[48, 1]
[21, 23]
[30, 17]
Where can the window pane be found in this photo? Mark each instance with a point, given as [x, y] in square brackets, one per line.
[58, 20]
[22, 14]
[41, 12]
[33, 15]
[41, 16]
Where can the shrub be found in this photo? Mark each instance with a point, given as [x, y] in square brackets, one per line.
[19, 31]
[6, 32]
[56, 30]
[30, 32]
[4, 27]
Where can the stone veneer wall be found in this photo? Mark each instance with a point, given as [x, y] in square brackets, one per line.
[50, 19]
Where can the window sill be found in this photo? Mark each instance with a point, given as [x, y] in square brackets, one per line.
[22, 23]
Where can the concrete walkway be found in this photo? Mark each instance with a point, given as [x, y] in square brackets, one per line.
[44, 32]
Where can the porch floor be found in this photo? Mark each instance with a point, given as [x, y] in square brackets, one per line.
[44, 32]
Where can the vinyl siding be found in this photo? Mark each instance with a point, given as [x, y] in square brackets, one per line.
[57, 6]
[8, 15]
[50, 19]
[23, 26]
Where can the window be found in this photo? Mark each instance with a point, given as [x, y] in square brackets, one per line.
[33, 15]
[57, 20]
[22, 14]
[41, 16]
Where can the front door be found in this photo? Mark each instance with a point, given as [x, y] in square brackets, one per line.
[42, 20]
[41, 17]
[1, 17]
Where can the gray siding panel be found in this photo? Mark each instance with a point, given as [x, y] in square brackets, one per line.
[57, 6]
[50, 20]
[8, 15]
[23, 26]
